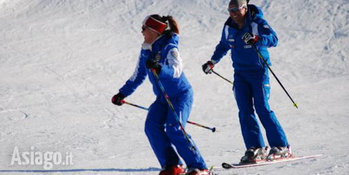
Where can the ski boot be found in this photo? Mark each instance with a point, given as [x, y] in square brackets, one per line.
[253, 155]
[172, 170]
[279, 152]
[195, 171]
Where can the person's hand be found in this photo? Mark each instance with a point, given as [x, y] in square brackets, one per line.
[249, 38]
[207, 67]
[153, 64]
[118, 99]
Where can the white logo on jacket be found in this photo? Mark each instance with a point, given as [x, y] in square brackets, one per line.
[175, 61]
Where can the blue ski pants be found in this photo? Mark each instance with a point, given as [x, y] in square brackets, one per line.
[252, 90]
[164, 133]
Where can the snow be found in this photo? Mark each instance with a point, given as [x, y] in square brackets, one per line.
[62, 61]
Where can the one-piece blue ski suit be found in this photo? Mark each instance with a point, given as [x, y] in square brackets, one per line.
[251, 79]
[161, 126]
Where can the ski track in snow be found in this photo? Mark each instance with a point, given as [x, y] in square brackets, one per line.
[61, 62]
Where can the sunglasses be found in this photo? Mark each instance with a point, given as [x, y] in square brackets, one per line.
[143, 28]
[236, 9]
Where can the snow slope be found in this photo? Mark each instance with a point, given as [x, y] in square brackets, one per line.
[62, 60]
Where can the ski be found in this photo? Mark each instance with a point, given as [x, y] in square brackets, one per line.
[266, 162]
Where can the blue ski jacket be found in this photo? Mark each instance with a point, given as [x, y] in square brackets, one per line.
[243, 56]
[165, 50]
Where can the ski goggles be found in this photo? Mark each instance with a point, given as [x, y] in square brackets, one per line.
[236, 9]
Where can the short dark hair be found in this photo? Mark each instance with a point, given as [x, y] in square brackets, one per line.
[238, 3]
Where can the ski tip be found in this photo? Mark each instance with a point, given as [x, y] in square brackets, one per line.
[226, 165]
[214, 129]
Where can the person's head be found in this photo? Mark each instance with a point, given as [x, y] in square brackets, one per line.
[155, 25]
[237, 10]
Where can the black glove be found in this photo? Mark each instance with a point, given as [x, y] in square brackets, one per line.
[118, 99]
[153, 64]
[249, 38]
[207, 67]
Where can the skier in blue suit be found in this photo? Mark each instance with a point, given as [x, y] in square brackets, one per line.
[160, 52]
[244, 28]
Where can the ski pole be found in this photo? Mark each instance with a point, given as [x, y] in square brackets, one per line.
[222, 77]
[277, 79]
[206, 127]
[173, 110]
[141, 107]
[190, 122]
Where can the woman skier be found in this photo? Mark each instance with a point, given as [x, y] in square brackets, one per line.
[163, 128]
